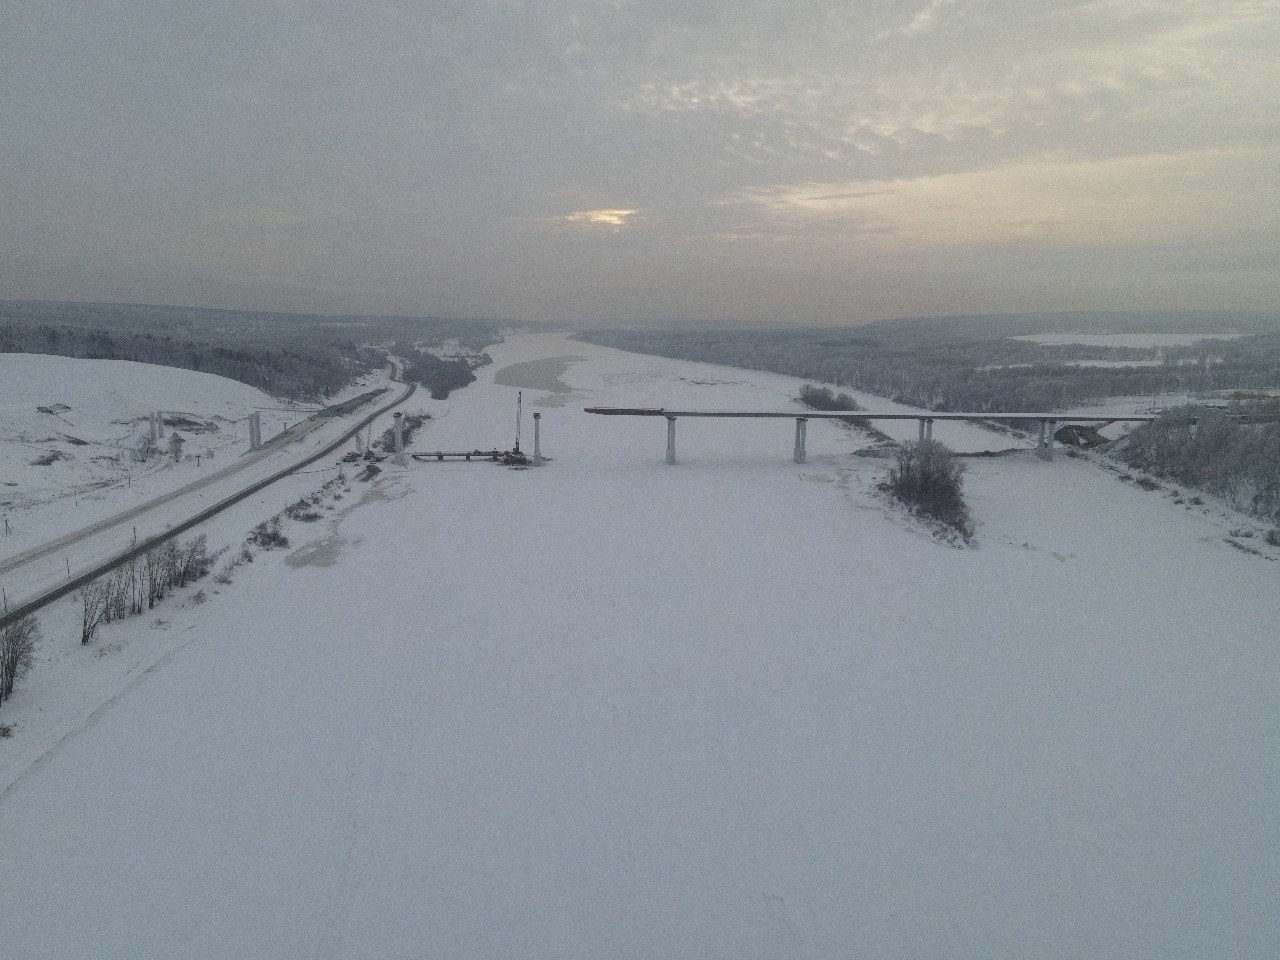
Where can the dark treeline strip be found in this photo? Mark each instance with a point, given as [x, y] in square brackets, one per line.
[307, 371]
[295, 356]
[441, 377]
[824, 398]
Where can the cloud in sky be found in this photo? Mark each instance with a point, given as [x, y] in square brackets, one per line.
[815, 161]
[1147, 199]
[614, 219]
[923, 19]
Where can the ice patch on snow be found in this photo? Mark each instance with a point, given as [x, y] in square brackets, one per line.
[542, 374]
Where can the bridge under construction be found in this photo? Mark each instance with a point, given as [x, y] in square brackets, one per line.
[1044, 449]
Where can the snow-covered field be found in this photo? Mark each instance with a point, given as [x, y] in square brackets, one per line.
[611, 708]
[1126, 339]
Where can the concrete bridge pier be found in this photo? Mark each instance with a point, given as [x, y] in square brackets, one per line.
[802, 428]
[1047, 429]
[921, 437]
[537, 439]
[255, 430]
[398, 420]
[928, 429]
[671, 440]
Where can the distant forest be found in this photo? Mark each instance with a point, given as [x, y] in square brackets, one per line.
[969, 363]
[293, 356]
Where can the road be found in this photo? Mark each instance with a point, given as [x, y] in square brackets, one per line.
[18, 567]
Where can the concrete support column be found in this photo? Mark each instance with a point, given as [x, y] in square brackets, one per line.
[159, 424]
[802, 426]
[255, 430]
[1044, 450]
[671, 440]
[928, 429]
[921, 430]
[537, 439]
[151, 427]
[398, 421]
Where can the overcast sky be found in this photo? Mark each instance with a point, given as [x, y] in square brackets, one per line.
[674, 162]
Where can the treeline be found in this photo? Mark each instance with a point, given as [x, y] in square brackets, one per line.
[1206, 449]
[826, 399]
[141, 582]
[293, 356]
[305, 371]
[440, 377]
[935, 367]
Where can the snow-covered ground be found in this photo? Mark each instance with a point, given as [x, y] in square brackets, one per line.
[610, 708]
[96, 415]
[73, 465]
[1126, 339]
[1114, 364]
[93, 468]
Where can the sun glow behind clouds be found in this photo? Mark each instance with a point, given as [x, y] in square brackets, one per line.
[612, 219]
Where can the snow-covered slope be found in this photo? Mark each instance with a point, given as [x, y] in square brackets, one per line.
[733, 708]
[99, 413]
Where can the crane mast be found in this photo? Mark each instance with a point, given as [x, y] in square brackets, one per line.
[519, 403]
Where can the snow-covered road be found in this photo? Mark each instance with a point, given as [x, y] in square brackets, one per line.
[734, 708]
[33, 572]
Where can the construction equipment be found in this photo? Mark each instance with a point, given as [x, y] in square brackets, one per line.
[519, 405]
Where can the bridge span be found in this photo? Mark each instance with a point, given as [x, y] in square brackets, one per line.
[1048, 421]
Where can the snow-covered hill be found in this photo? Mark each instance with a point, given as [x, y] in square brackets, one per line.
[732, 708]
[96, 413]
[70, 431]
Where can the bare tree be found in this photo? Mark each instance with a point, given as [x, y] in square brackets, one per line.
[194, 560]
[158, 567]
[17, 645]
[93, 600]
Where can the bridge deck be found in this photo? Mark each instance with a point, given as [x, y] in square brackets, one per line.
[1060, 416]
[867, 415]
[1048, 421]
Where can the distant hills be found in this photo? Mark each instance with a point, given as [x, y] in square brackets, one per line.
[997, 325]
